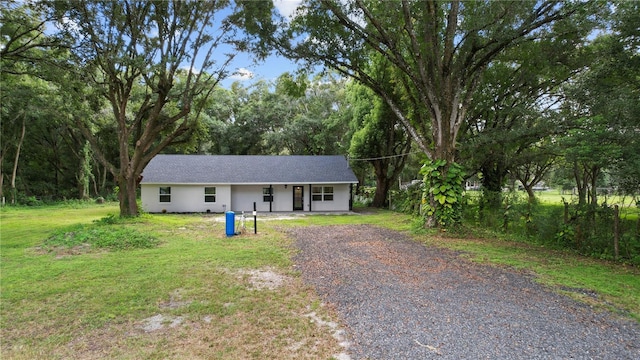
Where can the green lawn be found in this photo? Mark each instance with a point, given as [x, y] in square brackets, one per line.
[628, 208]
[98, 303]
[200, 286]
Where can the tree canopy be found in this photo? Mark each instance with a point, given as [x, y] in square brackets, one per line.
[507, 89]
[155, 63]
[439, 51]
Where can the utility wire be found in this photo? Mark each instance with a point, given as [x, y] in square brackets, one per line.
[383, 157]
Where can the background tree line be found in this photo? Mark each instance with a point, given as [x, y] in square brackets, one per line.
[511, 91]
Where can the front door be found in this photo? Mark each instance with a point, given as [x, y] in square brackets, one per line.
[298, 198]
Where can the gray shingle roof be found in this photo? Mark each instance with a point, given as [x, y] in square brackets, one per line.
[247, 169]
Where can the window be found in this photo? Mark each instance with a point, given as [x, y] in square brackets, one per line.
[328, 193]
[165, 194]
[267, 196]
[209, 194]
[322, 193]
[316, 193]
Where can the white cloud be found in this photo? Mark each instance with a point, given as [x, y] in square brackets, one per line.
[70, 24]
[242, 74]
[287, 8]
[187, 68]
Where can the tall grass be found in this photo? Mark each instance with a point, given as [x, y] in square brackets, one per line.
[554, 220]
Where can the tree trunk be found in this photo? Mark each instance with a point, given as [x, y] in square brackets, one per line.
[380, 199]
[492, 180]
[530, 193]
[127, 196]
[15, 163]
[2, 176]
[84, 172]
[580, 185]
[594, 191]
[95, 183]
[382, 184]
[103, 182]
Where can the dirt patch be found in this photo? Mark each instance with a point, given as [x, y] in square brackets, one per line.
[63, 252]
[159, 322]
[338, 333]
[265, 216]
[175, 301]
[266, 278]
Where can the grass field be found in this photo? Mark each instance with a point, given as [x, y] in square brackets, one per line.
[191, 297]
[199, 294]
[555, 197]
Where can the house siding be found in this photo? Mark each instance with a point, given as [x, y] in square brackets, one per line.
[184, 198]
[340, 202]
[243, 197]
[238, 198]
[244, 178]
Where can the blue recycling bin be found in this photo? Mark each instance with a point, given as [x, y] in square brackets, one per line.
[231, 223]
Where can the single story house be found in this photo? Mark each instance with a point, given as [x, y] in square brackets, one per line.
[219, 183]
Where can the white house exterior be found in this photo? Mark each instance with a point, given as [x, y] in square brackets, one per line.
[218, 183]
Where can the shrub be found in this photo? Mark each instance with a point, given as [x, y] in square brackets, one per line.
[107, 233]
[586, 229]
[29, 201]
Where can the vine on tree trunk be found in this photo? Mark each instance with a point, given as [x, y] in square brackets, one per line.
[442, 195]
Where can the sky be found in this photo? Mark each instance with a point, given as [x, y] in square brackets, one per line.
[243, 65]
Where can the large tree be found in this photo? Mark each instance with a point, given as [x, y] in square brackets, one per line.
[288, 116]
[514, 110]
[379, 140]
[155, 62]
[604, 101]
[26, 52]
[604, 104]
[25, 46]
[439, 51]
[316, 124]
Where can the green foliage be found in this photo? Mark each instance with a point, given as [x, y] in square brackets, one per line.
[442, 196]
[566, 234]
[431, 105]
[106, 233]
[408, 201]
[128, 50]
[26, 47]
[299, 117]
[604, 104]
[380, 138]
[290, 85]
[29, 200]
[588, 229]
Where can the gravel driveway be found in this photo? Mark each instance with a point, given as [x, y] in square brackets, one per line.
[399, 299]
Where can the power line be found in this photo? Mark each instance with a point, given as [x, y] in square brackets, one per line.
[383, 157]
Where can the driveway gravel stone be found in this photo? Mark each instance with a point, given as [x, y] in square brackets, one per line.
[399, 299]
